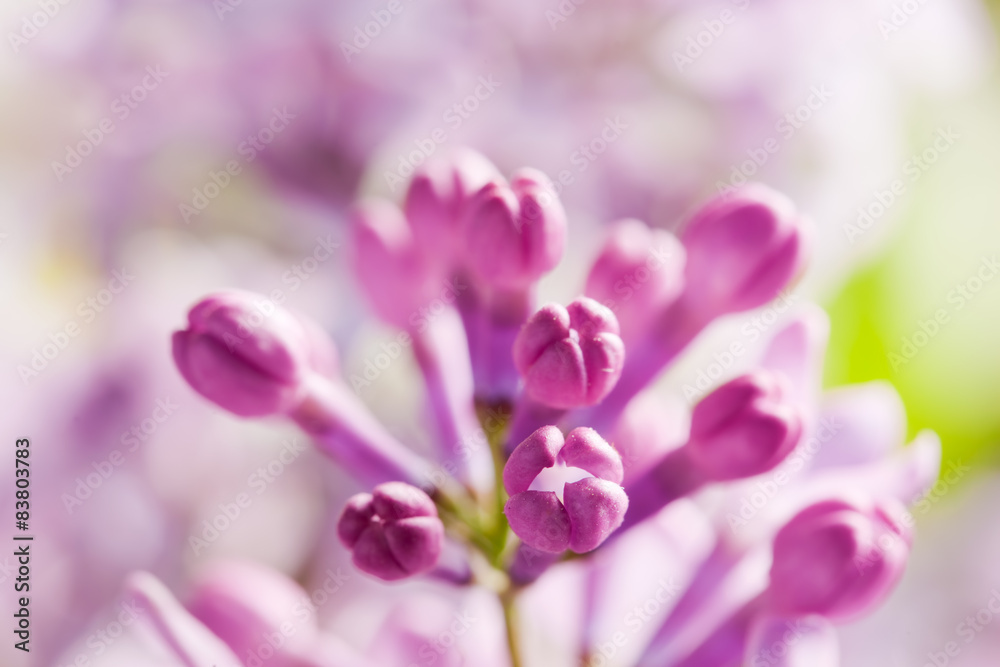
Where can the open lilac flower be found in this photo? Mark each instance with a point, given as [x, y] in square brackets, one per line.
[527, 408]
[394, 532]
[564, 493]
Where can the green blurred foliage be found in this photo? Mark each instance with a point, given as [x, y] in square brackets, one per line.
[946, 234]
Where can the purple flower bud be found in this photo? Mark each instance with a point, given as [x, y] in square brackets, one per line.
[513, 234]
[743, 428]
[639, 272]
[246, 354]
[570, 357]
[437, 196]
[742, 249]
[392, 271]
[838, 559]
[394, 532]
[564, 493]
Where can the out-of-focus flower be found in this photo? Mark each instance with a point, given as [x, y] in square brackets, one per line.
[837, 560]
[514, 234]
[559, 493]
[638, 273]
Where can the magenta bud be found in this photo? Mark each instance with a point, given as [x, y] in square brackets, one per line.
[838, 559]
[438, 194]
[564, 493]
[639, 272]
[513, 234]
[570, 357]
[248, 355]
[394, 532]
[392, 271]
[742, 248]
[744, 428]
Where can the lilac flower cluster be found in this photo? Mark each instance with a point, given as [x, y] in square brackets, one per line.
[554, 486]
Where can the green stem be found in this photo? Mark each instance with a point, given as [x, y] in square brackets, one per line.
[507, 601]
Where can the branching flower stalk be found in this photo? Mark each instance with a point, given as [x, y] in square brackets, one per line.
[553, 391]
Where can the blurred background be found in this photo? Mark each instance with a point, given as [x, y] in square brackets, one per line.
[153, 151]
